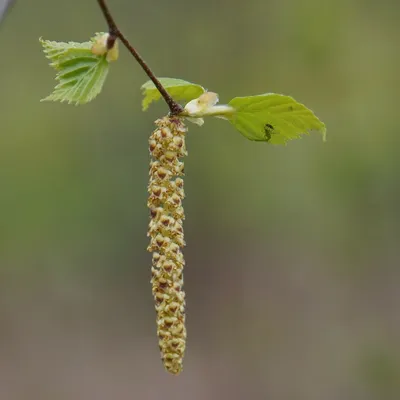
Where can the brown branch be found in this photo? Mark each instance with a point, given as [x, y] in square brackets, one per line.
[5, 6]
[115, 33]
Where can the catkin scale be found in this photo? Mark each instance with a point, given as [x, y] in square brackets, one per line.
[167, 147]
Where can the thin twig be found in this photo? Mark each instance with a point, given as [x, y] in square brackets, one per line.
[5, 5]
[115, 33]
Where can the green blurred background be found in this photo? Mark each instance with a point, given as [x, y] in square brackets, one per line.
[292, 277]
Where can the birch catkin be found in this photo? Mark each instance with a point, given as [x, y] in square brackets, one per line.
[167, 146]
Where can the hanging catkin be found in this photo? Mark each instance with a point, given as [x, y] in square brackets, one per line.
[167, 147]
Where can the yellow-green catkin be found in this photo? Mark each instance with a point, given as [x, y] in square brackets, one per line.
[167, 147]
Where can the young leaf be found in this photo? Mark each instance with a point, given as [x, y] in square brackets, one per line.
[273, 118]
[177, 88]
[80, 72]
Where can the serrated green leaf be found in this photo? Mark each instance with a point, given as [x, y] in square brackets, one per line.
[80, 73]
[273, 118]
[177, 88]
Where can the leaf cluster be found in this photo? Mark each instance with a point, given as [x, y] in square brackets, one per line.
[82, 69]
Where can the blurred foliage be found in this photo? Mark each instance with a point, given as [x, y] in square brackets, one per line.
[380, 370]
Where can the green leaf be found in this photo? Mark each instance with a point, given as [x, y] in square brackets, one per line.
[80, 73]
[273, 118]
[177, 88]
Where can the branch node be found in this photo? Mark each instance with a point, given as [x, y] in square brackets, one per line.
[111, 40]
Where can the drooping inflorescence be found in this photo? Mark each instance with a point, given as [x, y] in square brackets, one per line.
[167, 147]
[82, 69]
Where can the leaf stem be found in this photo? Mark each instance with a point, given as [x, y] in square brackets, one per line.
[115, 33]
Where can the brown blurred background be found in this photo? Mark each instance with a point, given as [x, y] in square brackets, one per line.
[292, 278]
